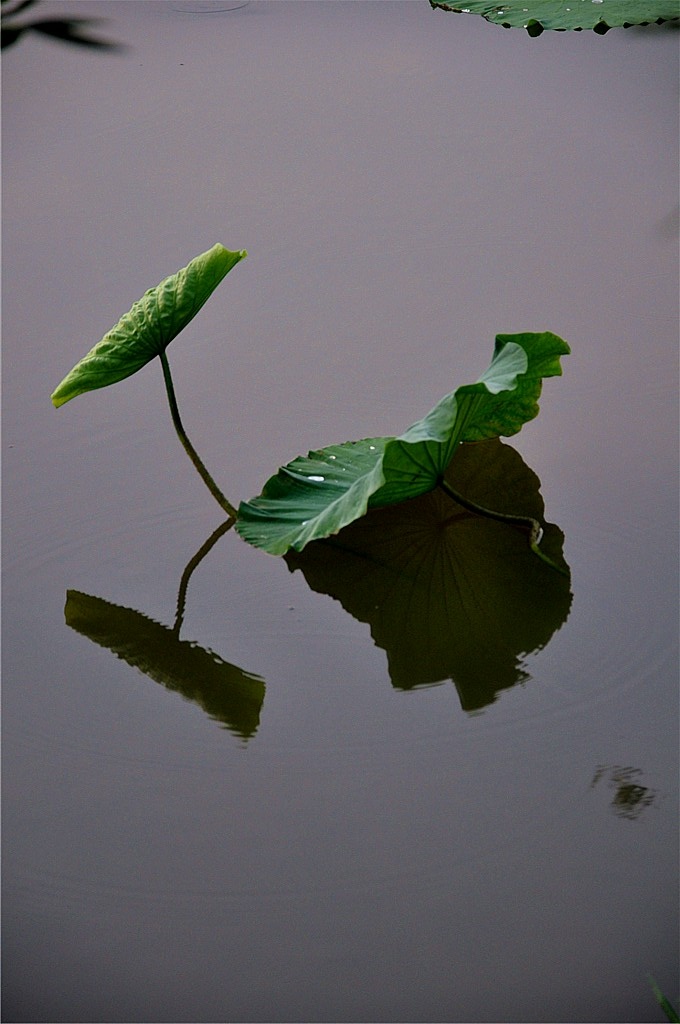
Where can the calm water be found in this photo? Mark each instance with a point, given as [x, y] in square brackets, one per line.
[337, 844]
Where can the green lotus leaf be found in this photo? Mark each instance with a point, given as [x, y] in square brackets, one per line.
[150, 325]
[314, 496]
[564, 15]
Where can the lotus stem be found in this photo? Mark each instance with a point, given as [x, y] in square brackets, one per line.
[528, 523]
[192, 565]
[225, 505]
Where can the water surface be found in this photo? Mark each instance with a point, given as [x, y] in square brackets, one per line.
[407, 184]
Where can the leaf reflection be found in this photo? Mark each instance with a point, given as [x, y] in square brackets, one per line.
[226, 693]
[449, 594]
[630, 796]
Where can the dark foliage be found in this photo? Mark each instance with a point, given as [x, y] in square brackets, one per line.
[68, 30]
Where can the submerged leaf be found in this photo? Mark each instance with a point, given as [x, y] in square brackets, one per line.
[314, 496]
[537, 15]
[150, 325]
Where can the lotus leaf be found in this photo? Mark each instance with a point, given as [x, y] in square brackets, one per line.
[150, 325]
[563, 15]
[314, 496]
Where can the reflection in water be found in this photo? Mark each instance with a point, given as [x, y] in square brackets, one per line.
[449, 594]
[225, 692]
[630, 798]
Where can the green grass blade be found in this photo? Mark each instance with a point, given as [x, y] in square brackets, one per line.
[666, 1006]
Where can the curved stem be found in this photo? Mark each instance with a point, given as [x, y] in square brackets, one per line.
[188, 447]
[192, 565]
[523, 522]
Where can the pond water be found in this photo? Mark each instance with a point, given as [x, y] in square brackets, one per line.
[350, 817]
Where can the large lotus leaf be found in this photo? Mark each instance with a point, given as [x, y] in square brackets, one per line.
[449, 594]
[226, 693]
[563, 15]
[314, 496]
[150, 325]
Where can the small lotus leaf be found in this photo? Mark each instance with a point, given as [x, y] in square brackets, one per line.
[150, 325]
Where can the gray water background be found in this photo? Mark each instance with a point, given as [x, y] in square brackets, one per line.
[407, 184]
